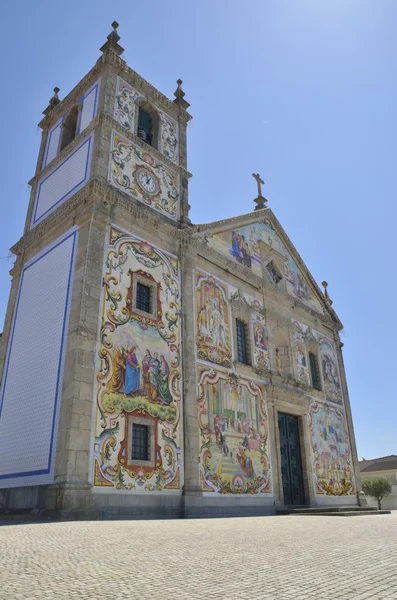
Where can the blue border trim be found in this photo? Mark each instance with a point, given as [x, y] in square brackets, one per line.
[74, 234]
[94, 88]
[87, 165]
[45, 162]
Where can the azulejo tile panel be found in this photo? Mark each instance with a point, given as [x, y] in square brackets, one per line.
[143, 177]
[33, 371]
[125, 107]
[233, 427]
[169, 137]
[213, 331]
[138, 369]
[302, 337]
[332, 461]
[242, 245]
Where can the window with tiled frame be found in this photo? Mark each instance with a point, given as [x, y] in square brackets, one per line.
[145, 296]
[243, 344]
[141, 447]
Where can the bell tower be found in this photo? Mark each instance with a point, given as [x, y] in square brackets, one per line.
[111, 169]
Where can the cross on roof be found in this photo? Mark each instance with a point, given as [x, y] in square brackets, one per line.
[260, 200]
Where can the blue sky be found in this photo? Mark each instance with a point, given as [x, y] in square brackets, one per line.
[302, 91]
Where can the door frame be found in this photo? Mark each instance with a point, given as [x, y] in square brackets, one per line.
[305, 450]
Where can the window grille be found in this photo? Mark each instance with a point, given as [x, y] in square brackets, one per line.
[315, 373]
[143, 297]
[140, 442]
[243, 353]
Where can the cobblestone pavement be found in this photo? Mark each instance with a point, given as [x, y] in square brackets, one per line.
[277, 558]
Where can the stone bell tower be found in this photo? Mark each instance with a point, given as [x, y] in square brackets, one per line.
[112, 165]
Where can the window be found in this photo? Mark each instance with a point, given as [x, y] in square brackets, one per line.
[140, 448]
[315, 373]
[243, 353]
[274, 272]
[69, 127]
[145, 126]
[143, 297]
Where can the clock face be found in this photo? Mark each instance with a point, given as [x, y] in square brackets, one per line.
[147, 181]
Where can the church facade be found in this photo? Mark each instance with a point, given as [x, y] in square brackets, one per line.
[170, 369]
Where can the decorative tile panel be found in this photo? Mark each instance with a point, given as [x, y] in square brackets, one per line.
[143, 177]
[138, 374]
[33, 372]
[124, 106]
[169, 137]
[65, 180]
[332, 461]
[234, 455]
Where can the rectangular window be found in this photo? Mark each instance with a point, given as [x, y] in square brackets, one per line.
[315, 373]
[243, 353]
[143, 299]
[140, 442]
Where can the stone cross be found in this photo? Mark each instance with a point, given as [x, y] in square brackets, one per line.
[259, 181]
[260, 200]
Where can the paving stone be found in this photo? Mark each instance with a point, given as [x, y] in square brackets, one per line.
[261, 558]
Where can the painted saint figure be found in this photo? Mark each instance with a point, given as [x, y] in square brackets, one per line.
[154, 368]
[162, 382]
[132, 372]
[145, 371]
[116, 381]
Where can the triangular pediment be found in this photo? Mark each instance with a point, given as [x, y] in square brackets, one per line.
[258, 239]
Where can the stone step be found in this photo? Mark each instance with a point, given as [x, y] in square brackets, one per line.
[339, 511]
[328, 509]
[356, 513]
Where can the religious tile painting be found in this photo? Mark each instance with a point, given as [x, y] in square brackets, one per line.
[142, 176]
[213, 339]
[333, 465]
[300, 351]
[302, 337]
[260, 342]
[233, 426]
[138, 393]
[169, 137]
[330, 372]
[242, 245]
[125, 107]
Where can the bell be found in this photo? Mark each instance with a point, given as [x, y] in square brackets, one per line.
[142, 134]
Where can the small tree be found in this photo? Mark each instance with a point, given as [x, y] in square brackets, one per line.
[377, 487]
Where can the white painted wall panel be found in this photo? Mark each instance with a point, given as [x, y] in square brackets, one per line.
[63, 181]
[90, 103]
[33, 373]
[52, 144]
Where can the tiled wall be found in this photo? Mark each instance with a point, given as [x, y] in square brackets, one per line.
[32, 382]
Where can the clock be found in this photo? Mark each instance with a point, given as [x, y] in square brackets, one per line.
[147, 181]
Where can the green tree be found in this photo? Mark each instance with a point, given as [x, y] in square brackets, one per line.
[377, 487]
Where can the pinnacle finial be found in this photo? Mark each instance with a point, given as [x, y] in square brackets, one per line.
[260, 200]
[52, 102]
[328, 299]
[179, 95]
[113, 41]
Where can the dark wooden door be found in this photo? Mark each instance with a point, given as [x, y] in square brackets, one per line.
[291, 463]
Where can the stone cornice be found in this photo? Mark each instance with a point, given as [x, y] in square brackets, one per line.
[66, 151]
[98, 120]
[152, 94]
[67, 102]
[124, 71]
[102, 194]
